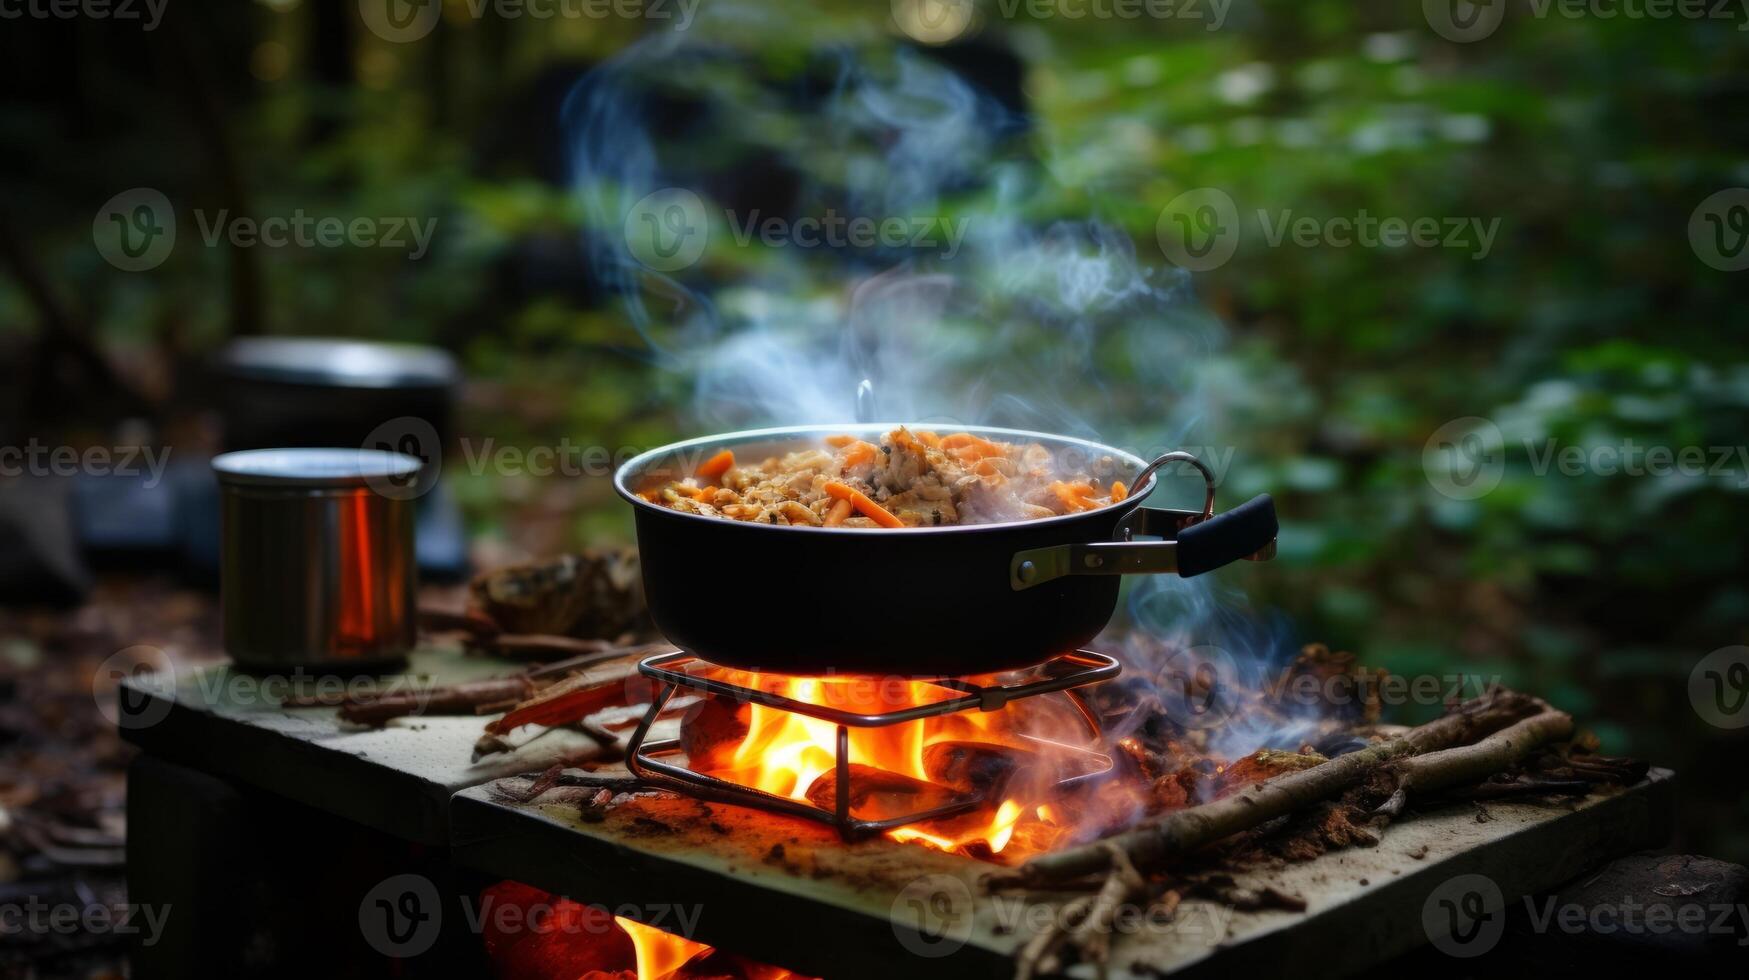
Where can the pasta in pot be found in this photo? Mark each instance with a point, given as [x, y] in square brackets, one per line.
[908, 479]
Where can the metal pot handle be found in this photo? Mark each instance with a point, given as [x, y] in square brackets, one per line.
[1192, 542]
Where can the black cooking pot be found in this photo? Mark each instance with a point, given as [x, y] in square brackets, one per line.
[929, 602]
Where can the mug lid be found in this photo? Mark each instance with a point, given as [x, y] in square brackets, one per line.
[312, 467]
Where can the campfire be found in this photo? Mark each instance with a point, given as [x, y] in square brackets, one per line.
[573, 941]
[1002, 769]
[1136, 777]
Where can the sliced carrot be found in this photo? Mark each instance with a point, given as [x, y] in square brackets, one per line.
[716, 466]
[1118, 491]
[988, 466]
[859, 452]
[1073, 495]
[969, 448]
[866, 507]
[840, 510]
[839, 442]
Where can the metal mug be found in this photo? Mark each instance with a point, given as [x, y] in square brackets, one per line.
[316, 560]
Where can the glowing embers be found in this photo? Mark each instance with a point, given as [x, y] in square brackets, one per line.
[531, 934]
[972, 765]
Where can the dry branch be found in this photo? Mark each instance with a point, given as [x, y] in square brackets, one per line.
[1473, 763]
[1186, 830]
[457, 699]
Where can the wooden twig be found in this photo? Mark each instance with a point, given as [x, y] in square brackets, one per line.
[1462, 764]
[1040, 954]
[1124, 885]
[1186, 830]
[570, 700]
[456, 699]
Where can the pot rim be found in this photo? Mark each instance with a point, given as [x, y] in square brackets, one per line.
[728, 440]
[312, 467]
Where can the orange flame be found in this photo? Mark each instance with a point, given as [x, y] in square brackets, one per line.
[784, 753]
[660, 954]
[665, 956]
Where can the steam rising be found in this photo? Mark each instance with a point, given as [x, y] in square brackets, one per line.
[1021, 326]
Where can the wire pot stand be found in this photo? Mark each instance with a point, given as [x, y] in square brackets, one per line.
[1063, 673]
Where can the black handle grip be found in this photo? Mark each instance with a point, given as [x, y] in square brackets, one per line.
[1225, 538]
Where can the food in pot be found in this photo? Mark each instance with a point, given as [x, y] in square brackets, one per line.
[908, 479]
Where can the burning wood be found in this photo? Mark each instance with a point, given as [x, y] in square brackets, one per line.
[577, 940]
[876, 793]
[1473, 744]
[1186, 830]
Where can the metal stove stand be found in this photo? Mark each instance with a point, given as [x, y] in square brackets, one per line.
[1063, 674]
